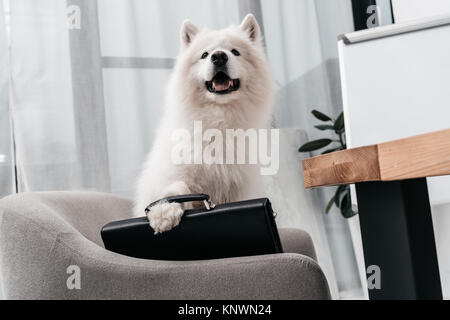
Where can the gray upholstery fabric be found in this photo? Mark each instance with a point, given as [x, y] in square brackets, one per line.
[42, 234]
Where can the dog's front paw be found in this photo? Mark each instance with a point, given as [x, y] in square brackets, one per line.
[165, 216]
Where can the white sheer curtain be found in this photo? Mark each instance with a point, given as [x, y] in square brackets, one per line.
[6, 146]
[87, 81]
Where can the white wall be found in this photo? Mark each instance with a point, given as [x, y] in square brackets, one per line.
[405, 10]
[384, 12]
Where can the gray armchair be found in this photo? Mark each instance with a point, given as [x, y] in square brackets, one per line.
[42, 234]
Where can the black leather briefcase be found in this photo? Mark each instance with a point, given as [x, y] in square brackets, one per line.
[236, 229]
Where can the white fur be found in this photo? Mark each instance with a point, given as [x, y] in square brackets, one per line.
[188, 100]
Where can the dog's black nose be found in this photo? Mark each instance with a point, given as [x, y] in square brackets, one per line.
[219, 58]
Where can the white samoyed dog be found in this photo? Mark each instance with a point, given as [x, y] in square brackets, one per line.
[221, 78]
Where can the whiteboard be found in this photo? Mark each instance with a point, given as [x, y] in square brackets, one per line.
[396, 84]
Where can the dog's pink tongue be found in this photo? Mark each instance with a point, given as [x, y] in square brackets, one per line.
[222, 86]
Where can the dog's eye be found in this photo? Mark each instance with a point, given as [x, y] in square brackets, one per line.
[204, 55]
[235, 52]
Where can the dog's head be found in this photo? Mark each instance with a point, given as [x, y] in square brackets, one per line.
[222, 66]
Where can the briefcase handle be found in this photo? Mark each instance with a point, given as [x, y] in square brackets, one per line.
[185, 198]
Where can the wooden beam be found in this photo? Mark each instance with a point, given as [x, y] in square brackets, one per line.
[427, 155]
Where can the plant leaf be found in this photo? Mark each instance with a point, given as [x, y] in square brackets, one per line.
[345, 201]
[348, 213]
[337, 199]
[324, 127]
[329, 205]
[319, 115]
[331, 150]
[315, 145]
[346, 207]
[339, 124]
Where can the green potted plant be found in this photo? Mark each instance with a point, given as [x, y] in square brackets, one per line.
[341, 197]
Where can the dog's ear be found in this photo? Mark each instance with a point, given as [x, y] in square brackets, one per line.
[187, 33]
[251, 26]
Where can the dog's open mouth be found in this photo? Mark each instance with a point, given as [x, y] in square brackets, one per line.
[222, 84]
